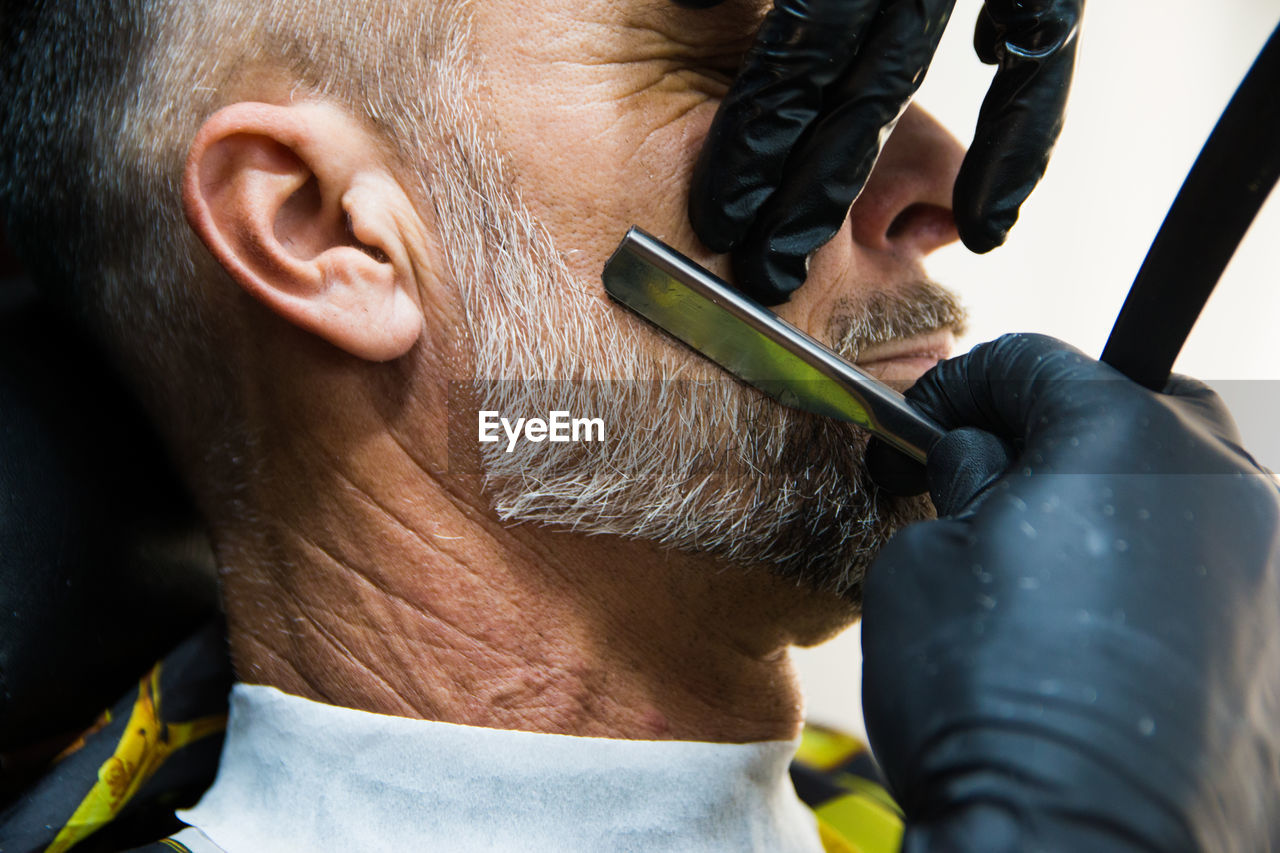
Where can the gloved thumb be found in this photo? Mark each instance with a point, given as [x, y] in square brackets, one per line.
[893, 471]
[962, 465]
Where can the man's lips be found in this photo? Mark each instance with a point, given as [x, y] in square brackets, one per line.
[901, 362]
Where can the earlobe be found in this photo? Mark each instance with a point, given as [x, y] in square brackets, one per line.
[293, 202]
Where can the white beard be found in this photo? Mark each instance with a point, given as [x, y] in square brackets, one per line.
[691, 459]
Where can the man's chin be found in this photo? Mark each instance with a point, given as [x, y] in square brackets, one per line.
[836, 567]
[833, 530]
[707, 468]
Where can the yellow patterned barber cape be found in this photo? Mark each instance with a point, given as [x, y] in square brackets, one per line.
[156, 750]
[835, 776]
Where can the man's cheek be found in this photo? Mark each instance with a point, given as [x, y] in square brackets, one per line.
[659, 169]
[638, 176]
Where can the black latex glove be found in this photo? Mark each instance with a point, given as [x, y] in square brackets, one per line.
[818, 93]
[1085, 654]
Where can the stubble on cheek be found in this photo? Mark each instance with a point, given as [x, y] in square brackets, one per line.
[705, 466]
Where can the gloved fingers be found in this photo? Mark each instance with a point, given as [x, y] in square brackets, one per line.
[985, 35]
[829, 165]
[1192, 395]
[1034, 45]
[1179, 385]
[802, 46]
[963, 465]
[1024, 26]
[1017, 128]
[1013, 386]
[1199, 397]
[1065, 413]
[1195, 396]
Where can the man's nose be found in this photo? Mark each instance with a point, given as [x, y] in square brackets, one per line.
[905, 207]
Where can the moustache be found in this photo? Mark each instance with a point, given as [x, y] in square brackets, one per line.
[920, 307]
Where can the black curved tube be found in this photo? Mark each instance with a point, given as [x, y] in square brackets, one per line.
[1222, 194]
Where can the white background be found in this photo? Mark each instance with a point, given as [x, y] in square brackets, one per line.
[1152, 78]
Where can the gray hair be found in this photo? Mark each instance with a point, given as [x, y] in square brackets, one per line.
[709, 466]
[99, 100]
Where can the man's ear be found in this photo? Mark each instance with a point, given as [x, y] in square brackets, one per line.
[296, 204]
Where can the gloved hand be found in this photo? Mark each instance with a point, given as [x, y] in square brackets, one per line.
[818, 93]
[1083, 652]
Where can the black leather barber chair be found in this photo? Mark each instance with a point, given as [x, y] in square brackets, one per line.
[104, 566]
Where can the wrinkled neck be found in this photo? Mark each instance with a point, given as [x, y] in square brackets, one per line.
[350, 593]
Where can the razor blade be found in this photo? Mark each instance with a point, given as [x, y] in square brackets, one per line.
[757, 346]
